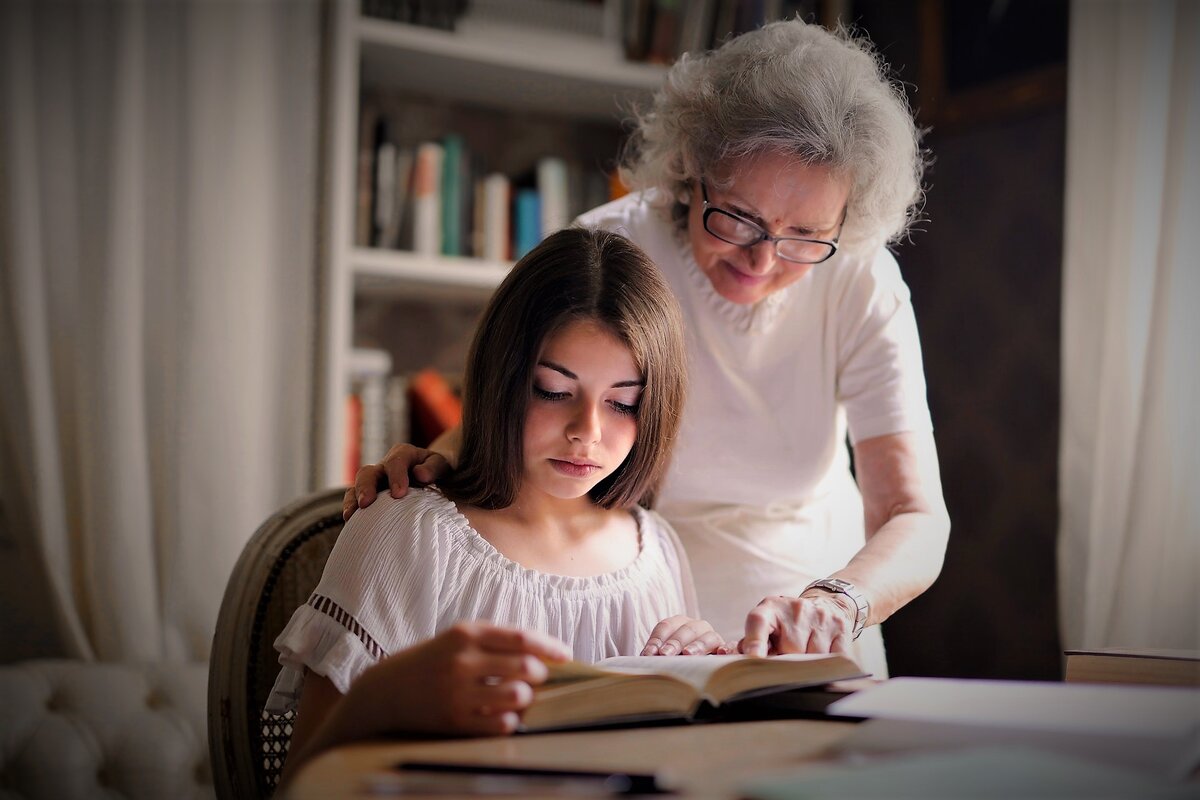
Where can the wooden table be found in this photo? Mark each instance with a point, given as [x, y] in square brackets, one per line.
[709, 760]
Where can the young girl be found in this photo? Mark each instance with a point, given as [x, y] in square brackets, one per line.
[573, 392]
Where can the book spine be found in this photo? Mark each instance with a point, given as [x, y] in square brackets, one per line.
[427, 211]
[366, 175]
[352, 441]
[369, 372]
[452, 167]
[435, 408]
[385, 192]
[497, 191]
[527, 222]
[552, 189]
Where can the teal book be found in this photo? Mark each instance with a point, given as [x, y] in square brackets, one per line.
[527, 221]
[452, 199]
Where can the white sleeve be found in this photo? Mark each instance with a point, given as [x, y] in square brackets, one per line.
[378, 594]
[677, 562]
[881, 379]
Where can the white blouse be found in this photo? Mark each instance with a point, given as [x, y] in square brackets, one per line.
[405, 570]
[760, 488]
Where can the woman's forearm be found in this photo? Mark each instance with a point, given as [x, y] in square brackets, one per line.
[907, 526]
[899, 561]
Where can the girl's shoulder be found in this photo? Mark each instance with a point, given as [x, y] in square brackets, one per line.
[390, 522]
[655, 531]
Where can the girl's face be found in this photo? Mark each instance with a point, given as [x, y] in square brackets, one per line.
[781, 196]
[582, 417]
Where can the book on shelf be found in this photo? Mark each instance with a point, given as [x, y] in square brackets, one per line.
[352, 434]
[365, 197]
[435, 406]
[553, 196]
[644, 688]
[1125, 665]
[453, 175]
[399, 421]
[426, 199]
[493, 228]
[370, 370]
[527, 221]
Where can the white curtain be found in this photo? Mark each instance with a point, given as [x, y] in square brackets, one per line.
[158, 179]
[1129, 549]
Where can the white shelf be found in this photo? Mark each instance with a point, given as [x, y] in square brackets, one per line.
[376, 269]
[499, 65]
[492, 64]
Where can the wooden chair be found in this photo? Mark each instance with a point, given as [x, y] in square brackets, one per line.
[275, 574]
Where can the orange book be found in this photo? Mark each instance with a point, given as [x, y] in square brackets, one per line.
[616, 187]
[353, 437]
[435, 407]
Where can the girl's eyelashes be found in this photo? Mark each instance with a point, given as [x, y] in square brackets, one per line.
[548, 395]
[625, 408]
[628, 409]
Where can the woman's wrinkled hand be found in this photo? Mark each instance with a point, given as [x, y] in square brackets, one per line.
[680, 635]
[403, 465]
[817, 622]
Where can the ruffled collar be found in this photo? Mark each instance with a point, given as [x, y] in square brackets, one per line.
[754, 319]
[617, 580]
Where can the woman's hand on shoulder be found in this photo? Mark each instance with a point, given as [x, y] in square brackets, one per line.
[403, 465]
[819, 622]
[680, 635]
[473, 679]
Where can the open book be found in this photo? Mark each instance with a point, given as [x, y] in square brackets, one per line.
[634, 688]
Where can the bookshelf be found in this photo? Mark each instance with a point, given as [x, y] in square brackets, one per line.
[512, 70]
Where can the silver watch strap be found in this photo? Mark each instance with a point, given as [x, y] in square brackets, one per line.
[862, 608]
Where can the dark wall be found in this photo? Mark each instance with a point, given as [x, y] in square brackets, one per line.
[986, 274]
[986, 281]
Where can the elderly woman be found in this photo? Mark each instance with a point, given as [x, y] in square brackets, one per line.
[769, 176]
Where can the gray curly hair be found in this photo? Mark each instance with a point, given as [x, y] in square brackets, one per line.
[822, 97]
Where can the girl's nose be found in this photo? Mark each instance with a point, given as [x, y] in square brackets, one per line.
[585, 425]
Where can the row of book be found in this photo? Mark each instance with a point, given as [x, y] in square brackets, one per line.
[441, 14]
[660, 31]
[383, 408]
[436, 198]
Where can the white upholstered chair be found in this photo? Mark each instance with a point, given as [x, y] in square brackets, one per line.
[74, 729]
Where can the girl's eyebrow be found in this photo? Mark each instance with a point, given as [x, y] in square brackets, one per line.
[567, 373]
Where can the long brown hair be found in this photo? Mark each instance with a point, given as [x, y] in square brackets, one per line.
[574, 274]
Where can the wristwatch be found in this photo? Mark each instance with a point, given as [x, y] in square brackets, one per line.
[861, 607]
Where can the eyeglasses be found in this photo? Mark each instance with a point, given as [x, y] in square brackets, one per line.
[735, 229]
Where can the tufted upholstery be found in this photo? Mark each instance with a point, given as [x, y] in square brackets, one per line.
[277, 570]
[70, 729]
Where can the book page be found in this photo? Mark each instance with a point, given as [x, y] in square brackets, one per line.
[695, 670]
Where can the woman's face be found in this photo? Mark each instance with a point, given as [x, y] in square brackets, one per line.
[582, 417]
[785, 198]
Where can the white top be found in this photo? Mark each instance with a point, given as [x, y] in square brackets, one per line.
[760, 488]
[405, 570]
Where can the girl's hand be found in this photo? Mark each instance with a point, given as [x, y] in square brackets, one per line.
[473, 679]
[683, 636]
[820, 622]
[403, 464]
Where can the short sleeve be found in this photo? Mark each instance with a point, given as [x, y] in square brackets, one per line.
[676, 561]
[881, 378]
[378, 594]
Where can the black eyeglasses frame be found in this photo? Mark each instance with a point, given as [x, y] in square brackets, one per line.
[710, 209]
